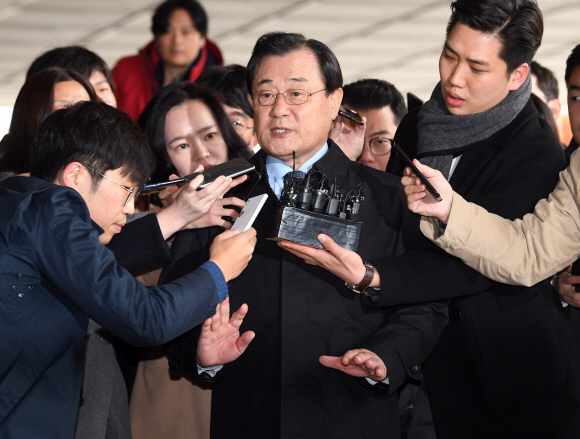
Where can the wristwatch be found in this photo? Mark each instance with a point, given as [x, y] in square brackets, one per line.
[366, 280]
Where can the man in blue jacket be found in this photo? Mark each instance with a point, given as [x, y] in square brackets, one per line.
[55, 274]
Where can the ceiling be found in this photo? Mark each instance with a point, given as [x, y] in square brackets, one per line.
[396, 40]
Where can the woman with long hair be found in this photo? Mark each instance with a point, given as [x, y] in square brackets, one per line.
[188, 131]
[43, 93]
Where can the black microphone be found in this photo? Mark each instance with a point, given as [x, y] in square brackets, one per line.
[356, 203]
[307, 194]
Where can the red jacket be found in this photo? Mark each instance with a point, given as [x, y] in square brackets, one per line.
[135, 83]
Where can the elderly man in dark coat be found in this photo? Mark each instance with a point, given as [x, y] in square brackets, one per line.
[507, 365]
[303, 315]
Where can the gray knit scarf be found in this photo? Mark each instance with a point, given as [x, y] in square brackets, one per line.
[442, 134]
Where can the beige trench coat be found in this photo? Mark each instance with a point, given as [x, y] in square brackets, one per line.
[520, 252]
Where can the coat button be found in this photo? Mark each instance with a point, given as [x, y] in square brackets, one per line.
[19, 276]
[415, 368]
[20, 294]
[456, 315]
[30, 287]
[14, 288]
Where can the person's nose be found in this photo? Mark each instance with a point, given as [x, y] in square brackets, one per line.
[280, 107]
[367, 155]
[200, 152]
[178, 38]
[129, 208]
[457, 77]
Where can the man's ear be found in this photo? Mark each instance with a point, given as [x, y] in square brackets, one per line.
[74, 175]
[518, 76]
[335, 101]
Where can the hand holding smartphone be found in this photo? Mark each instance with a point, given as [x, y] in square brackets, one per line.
[350, 114]
[232, 168]
[249, 213]
[418, 173]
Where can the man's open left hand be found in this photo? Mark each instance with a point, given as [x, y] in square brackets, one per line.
[358, 363]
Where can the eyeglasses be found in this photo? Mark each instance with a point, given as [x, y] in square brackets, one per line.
[239, 125]
[380, 145]
[131, 191]
[292, 97]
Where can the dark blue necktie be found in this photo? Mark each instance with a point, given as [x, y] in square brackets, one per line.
[296, 174]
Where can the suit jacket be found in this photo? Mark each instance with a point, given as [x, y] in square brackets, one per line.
[506, 365]
[54, 276]
[278, 388]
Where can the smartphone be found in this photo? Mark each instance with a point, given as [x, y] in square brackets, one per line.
[242, 191]
[350, 114]
[410, 164]
[232, 168]
[250, 212]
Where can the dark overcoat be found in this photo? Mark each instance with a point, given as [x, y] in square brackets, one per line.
[506, 366]
[299, 312]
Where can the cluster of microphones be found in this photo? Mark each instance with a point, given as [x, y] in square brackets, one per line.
[313, 193]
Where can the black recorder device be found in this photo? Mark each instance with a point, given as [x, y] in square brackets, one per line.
[232, 168]
[312, 206]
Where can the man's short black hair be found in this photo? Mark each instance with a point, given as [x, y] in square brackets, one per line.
[77, 58]
[374, 94]
[163, 13]
[517, 23]
[96, 135]
[572, 62]
[230, 83]
[282, 44]
[546, 81]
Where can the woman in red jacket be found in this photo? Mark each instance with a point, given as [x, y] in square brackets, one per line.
[179, 52]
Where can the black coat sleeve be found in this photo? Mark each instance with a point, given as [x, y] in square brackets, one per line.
[406, 340]
[189, 251]
[140, 245]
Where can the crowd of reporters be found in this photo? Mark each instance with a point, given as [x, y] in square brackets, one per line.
[191, 112]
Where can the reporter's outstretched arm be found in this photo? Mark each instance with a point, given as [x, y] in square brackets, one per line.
[520, 252]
